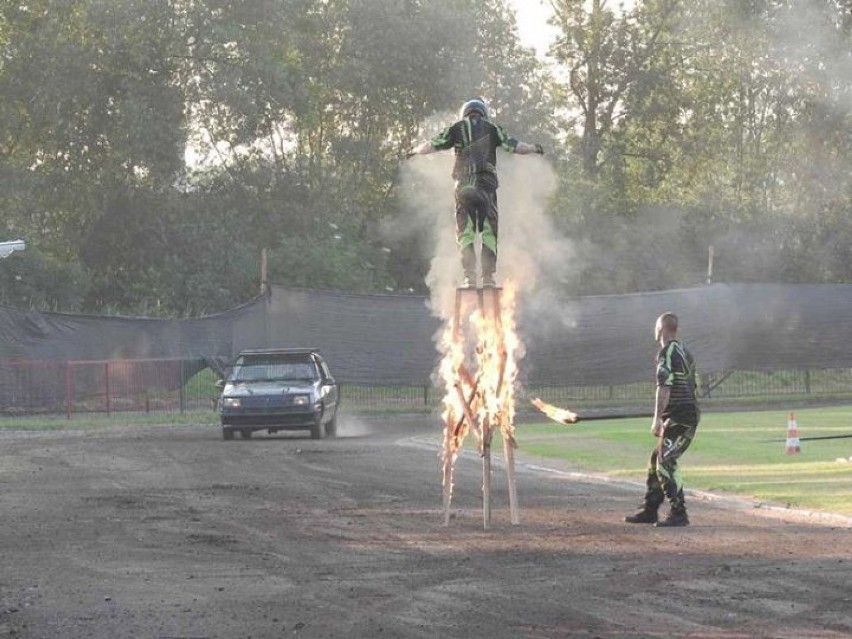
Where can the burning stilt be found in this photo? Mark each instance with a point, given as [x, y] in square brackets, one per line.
[478, 369]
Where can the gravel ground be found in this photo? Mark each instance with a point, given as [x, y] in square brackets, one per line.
[167, 532]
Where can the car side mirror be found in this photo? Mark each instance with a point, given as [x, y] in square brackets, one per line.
[220, 383]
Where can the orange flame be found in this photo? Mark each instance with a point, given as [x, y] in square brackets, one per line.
[561, 415]
[478, 370]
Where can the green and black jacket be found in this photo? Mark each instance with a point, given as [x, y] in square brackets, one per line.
[475, 140]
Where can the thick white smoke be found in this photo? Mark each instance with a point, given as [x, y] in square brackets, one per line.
[530, 252]
[809, 42]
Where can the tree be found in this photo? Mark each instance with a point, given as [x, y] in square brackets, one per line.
[105, 116]
[605, 55]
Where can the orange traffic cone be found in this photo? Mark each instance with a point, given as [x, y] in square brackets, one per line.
[793, 444]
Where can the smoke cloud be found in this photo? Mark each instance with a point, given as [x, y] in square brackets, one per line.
[530, 251]
[823, 55]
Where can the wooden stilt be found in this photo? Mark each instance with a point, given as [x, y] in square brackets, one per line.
[486, 476]
[495, 305]
[448, 488]
[449, 452]
[482, 406]
[471, 422]
[509, 454]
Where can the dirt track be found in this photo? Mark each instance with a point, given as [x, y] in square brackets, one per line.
[171, 532]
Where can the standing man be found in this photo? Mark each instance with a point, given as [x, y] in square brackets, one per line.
[475, 140]
[676, 416]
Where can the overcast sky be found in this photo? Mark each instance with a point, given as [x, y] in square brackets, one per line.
[532, 23]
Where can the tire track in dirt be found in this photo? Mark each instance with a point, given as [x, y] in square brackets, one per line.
[141, 531]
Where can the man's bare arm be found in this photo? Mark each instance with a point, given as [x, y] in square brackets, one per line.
[664, 393]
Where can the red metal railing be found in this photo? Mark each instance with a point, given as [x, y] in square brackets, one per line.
[105, 386]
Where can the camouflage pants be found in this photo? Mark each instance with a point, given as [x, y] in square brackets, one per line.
[476, 212]
[664, 481]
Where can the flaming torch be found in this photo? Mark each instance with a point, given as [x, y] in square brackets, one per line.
[480, 349]
[560, 415]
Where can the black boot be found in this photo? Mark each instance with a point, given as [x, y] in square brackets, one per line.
[675, 519]
[647, 515]
[651, 504]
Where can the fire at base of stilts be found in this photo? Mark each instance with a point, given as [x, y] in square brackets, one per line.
[480, 349]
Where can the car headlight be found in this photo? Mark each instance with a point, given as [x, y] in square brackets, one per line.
[301, 400]
[231, 402]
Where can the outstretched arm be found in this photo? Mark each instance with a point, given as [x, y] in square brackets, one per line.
[424, 148]
[526, 149]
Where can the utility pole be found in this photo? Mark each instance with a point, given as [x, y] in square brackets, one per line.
[264, 282]
[710, 255]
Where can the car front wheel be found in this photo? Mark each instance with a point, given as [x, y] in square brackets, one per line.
[317, 430]
[331, 427]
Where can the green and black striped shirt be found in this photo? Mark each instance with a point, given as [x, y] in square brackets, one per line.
[676, 369]
[475, 140]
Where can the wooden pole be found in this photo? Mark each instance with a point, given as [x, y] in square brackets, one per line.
[486, 475]
[448, 470]
[69, 390]
[471, 422]
[106, 387]
[495, 302]
[509, 454]
[264, 282]
[508, 445]
[711, 253]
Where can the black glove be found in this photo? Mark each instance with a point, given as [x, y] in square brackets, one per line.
[539, 149]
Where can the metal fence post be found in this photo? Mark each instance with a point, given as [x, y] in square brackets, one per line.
[68, 390]
[106, 388]
[181, 372]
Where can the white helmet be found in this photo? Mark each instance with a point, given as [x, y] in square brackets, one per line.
[471, 106]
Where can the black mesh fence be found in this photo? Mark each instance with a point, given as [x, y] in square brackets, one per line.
[152, 386]
[748, 340]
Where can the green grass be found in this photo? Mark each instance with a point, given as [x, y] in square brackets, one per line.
[736, 453]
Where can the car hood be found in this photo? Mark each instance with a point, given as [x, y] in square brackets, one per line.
[243, 389]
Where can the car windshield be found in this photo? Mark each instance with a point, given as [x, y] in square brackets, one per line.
[278, 371]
